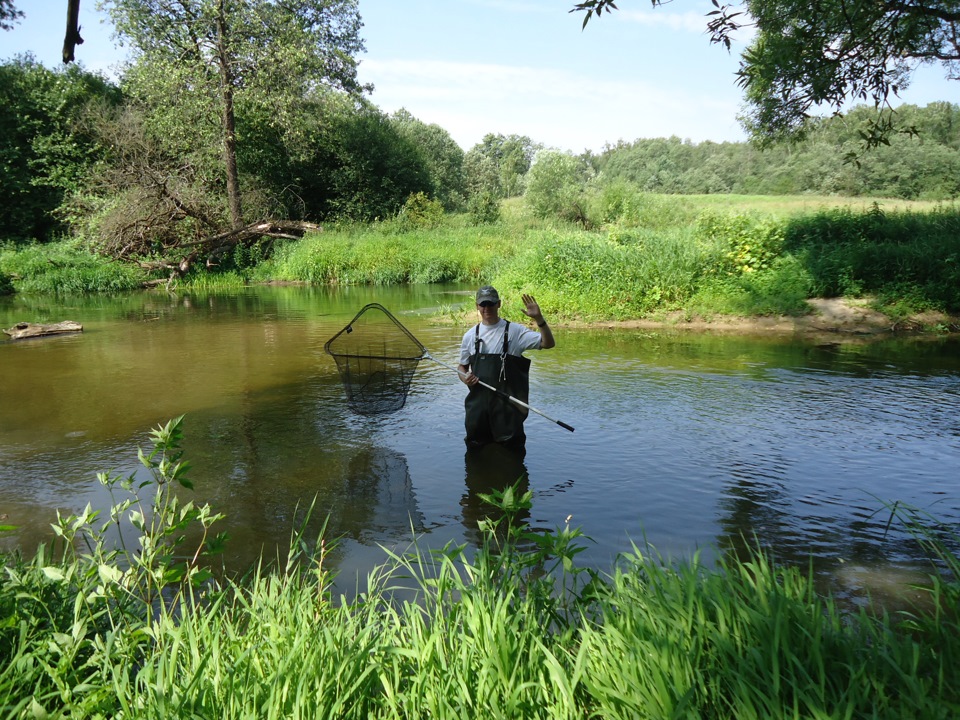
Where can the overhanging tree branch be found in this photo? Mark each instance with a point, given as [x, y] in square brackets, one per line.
[807, 54]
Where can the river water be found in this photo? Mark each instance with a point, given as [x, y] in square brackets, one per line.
[683, 441]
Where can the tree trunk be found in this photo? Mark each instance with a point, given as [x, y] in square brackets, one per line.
[229, 123]
[29, 330]
[72, 37]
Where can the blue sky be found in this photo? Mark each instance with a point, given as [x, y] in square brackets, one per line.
[517, 67]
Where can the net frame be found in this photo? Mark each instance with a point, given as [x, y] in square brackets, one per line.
[376, 373]
[376, 358]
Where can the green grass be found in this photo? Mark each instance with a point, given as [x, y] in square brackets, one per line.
[643, 255]
[787, 206]
[515, 630]
[380, 254]
[64, 268]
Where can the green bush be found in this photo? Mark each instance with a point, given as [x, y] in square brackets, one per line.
[782, 289]
[420, 211]
[879, 253]
[6, 285]
[555, 186]
[484, 207]
[378, 254]
[582, 274]
[750, 244]
[624, 205]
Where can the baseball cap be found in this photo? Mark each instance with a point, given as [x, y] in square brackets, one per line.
[487, 294]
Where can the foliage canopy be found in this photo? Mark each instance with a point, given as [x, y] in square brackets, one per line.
[807, 56]
[8, 13]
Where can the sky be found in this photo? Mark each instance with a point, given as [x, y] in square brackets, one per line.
[516, 67]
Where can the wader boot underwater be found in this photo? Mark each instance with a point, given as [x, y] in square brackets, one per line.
[488, 417]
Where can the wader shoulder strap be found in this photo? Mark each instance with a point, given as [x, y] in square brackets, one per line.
[503, 350]
[506, 335]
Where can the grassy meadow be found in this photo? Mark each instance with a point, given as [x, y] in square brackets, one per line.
[516, 629]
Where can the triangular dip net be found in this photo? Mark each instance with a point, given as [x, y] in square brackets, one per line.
[376, 357]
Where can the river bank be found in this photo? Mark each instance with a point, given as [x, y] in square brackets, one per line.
[836, 318]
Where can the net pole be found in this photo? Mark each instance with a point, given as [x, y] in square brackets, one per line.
[505, 396]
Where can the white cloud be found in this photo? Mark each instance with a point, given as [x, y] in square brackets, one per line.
[693, 22]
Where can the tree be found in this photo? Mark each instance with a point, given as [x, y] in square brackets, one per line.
[8, 13]
[811, 54]
[196, 61]
[442, 155]
[509, 156]
[555, 186]
[361, 166]
[44, 153]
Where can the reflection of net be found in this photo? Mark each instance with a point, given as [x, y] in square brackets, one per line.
[376, 357]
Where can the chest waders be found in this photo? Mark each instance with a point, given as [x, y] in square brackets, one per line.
[488, 417]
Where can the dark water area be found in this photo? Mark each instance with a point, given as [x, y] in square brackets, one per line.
[684, 441]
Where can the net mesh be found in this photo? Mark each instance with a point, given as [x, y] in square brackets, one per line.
[376, 357]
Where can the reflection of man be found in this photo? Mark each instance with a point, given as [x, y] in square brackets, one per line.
[492, 468]
[493, 352]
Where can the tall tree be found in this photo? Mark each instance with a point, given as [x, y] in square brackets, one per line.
[195, 61]
[441, 154]
[809, 54]
[510, 156]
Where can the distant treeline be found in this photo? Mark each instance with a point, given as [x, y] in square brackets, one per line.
[921, 164]
[82, 155]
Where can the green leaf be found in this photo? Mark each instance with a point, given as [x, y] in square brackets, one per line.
[110, 574]
[54, 573]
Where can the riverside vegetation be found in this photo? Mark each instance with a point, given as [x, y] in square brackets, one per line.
[632, 255]
[146, 628]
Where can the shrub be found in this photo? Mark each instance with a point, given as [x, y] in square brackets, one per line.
[623, 204]
[62, 268]
[484, 208]
[915, 254]
[750, 244]
[6, 285]
[555, 186]
[420, 211]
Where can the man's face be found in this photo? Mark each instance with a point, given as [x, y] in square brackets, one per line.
[489, 312]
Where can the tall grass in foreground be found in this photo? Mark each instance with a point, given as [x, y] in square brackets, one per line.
[517, 630]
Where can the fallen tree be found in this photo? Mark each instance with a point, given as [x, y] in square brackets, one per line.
[211, 248]
[24, 330]
[163, 212]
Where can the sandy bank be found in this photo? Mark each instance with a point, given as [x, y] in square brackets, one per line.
[837, 318]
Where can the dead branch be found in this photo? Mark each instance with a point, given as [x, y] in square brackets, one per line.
[218, 244]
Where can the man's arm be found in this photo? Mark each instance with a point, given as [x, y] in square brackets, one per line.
[532, 309]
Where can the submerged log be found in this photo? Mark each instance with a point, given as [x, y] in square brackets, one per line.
[29, 330]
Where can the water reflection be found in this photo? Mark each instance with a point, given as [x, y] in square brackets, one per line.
[378, 487]
[492, 467]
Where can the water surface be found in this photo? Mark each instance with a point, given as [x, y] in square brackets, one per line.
[685, 441]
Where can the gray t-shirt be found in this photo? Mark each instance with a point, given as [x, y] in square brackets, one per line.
[521, 339]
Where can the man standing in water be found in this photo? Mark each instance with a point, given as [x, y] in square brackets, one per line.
[493, 352]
